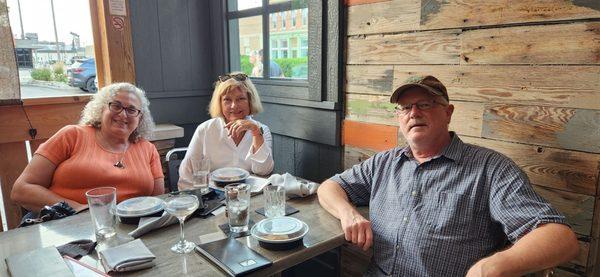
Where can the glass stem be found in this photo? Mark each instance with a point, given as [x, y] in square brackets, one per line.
[181, 227]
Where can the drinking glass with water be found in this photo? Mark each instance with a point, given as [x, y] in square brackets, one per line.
[274, 201]
[200, 173]
[237, 198]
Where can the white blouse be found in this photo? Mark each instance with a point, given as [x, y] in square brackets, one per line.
[211, 140]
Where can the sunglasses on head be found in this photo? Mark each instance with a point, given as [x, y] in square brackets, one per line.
[237, 77]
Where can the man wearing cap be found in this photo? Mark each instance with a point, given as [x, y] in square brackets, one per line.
[441, 207]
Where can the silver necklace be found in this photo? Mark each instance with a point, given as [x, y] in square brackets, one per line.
[119, 164]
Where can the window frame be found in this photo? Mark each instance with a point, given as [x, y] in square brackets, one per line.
[311, 89]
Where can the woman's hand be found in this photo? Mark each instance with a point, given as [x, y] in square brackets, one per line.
[237, 128]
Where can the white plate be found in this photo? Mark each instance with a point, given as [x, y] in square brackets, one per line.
[279, 230]
[140, 206]
[229, 174]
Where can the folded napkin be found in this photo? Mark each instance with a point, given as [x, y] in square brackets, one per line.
[148, 224]
[130, 256]
[294, 187]
[77, 248]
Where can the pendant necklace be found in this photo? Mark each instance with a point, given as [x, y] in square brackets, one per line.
[119, 164]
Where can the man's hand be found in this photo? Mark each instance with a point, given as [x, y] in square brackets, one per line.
[357, 229]
[489, 267]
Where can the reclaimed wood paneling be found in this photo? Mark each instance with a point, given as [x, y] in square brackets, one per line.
[569, 86]
[370, 108]
[369, 79]
[466, 120]
[362, 2]
[436, 14]
[575, 43]
[377, 137]
[434, 47]
[577, 208]
[46, 119]
[575, 129]
[10, 170]
[384, 17]
[550, 167]
[355, 155]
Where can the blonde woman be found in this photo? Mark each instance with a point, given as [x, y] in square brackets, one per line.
[232, 137]
[109, 147]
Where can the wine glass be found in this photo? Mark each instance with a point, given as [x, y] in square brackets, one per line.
[180, 206]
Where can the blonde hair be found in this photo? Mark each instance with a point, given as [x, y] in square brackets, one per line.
[222, 88]
[92, 113]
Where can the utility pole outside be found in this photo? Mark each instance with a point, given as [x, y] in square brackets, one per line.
[55, 33]
[21, 19]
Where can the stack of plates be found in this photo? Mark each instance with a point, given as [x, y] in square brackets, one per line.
[130, 210]
[227, 175]
[279, 233]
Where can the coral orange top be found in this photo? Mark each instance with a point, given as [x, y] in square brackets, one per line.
[82, 164]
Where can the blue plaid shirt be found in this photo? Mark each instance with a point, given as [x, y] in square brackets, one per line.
[440, 217]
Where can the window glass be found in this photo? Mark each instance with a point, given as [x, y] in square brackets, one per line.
[246, 42]
[240, 5]
[289, 59]
[50, 59]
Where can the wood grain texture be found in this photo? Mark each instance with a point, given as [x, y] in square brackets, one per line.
[434, 47]
[562, 86]
[46, 119]
[577, 208]
[354, 155]
[466, 120]
[549, 167]
[384, 17]
[575, 129]
[11, 165]
[369, 79]
[376, 137]
[325, 234]
[576, 43]
[370, 108]
[362, 2]
[114, 53]
[9, 74]
[436, 14]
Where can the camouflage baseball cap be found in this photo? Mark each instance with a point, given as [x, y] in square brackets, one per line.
[429, 83]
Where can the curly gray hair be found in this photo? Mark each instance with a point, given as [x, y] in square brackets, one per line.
[92, 113]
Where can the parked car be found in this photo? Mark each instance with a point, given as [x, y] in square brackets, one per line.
[82, 75]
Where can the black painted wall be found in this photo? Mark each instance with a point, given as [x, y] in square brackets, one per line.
[180, 47]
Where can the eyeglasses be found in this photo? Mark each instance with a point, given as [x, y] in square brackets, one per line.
[421, 105]
[237, 77]
[116, 107]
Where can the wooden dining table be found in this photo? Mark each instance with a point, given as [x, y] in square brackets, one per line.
[325, 234]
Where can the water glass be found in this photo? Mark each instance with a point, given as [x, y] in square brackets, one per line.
[180, 206]
[103, 203]
[237, 199]
[274, 201]
[200, 172]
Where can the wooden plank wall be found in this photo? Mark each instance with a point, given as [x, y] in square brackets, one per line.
[524, 79]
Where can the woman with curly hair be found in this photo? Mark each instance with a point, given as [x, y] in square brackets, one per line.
[109, 147]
